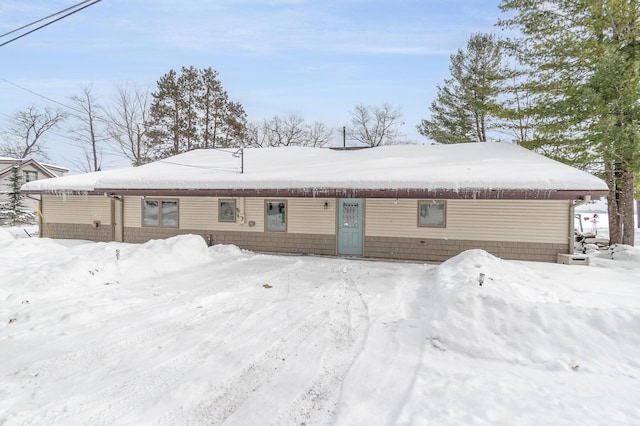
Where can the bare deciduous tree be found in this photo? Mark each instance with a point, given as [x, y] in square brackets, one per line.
[89, 132]
[288, 131]
[318, 135]
[375, 126]
[25, 132]
[127, 124]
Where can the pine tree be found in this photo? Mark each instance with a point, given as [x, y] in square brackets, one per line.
[585, 60]
[14, 209]
[167, 116]
[214, 100]
[191, 110]
[467, 104]
[190, 88]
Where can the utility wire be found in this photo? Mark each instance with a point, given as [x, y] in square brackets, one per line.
[50, 22]
[79, 111]
[72, 108]
[45, 18]
[74, 142]
[102, 119]
[210, 168]
[42, 96]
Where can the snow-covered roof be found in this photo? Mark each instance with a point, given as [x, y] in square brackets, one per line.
[471, 166]
[85, 182]
[50, 170]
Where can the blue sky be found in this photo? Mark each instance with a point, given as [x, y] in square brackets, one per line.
[314, 58]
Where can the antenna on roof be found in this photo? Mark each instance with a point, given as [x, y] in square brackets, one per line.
[240, 154]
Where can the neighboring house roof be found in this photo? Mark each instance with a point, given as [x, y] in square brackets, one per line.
[57, 170]
[49, 170]
[472, 170]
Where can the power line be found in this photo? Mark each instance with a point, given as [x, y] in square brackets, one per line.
[210, 168]
[77, 110]
[76, 143]
[50, 22]
[41, 96]
[45, 18]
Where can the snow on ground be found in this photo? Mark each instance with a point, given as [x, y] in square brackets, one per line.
[173, 332]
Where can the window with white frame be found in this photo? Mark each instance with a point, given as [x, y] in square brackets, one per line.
[29, 175]
[226, 210]
[162, 213]
[432, 213]
[275, 215]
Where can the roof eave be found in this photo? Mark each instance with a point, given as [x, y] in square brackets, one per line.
[443, 193]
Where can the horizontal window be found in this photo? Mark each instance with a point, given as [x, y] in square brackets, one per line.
[275, 215]
[432, 213]
[160, 213]
[28, 175]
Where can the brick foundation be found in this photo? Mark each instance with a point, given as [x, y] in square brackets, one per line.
[439, 250]
[74, 231]
[257, 241]
[413, 249]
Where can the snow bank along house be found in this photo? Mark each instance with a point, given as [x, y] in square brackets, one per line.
[28, 170]
[414, 202]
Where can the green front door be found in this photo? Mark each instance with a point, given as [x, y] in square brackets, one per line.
[350, 226]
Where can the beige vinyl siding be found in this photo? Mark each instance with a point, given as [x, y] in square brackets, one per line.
[308, 216]
[304, 215]
[202, 213]
[132, 212]
[198, 213]
[254, 212]
[80, 209]
[543, 221]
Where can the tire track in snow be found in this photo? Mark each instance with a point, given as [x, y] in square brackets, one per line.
[348, 332]
[124, 397]
[68, 364]
[229, 395]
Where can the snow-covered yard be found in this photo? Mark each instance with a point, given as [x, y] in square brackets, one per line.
[173, 332]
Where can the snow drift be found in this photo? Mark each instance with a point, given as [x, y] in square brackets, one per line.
[512, 318]
[172, 331]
